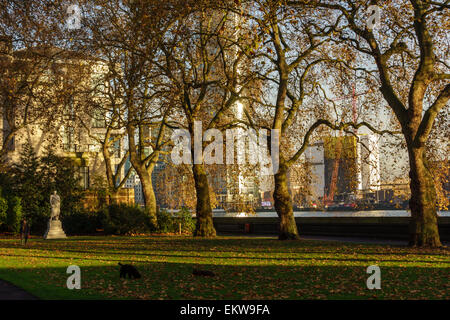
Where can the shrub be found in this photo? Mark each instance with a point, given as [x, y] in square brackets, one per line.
[165, 221]
[184, 216]
[3, 210]
[14, 215]
[169, 223]
[79, 222]
[122, 219]
[38, 219]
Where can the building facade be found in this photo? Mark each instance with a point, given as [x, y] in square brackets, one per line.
[343, 165]
[62, 127]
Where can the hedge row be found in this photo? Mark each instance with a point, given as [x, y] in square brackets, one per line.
[126, 220]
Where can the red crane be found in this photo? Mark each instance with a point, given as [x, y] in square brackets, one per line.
[328, 199]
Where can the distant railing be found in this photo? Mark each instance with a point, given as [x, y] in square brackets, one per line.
[81, 148]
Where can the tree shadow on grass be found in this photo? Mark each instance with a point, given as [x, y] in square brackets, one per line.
[234, 257]
[144, 247]
[175, 281]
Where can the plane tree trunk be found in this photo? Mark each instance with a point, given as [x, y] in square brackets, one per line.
[144, 168]
[283, 205]
[204, 226]
[149, 197]
[423, 226]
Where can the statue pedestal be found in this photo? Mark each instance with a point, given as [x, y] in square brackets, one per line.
[54, 230]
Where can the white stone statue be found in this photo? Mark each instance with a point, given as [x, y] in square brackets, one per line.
[54, 227]
[55, 201]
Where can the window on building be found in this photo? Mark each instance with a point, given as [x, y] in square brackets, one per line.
[6, 131]
[115, 148]
[83, 177]
[69, 139]
[98, 120]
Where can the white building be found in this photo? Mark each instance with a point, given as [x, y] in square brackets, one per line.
[60, 127]
[314, 155]
[369, 162]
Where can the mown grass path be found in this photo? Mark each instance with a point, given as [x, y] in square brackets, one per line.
[246, 268]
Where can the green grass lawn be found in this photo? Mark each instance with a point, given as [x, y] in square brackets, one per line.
[246, 268]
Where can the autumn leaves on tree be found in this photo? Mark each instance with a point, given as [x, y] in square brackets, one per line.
[173, 64]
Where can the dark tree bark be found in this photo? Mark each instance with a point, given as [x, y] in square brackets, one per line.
[283, 206]
[423, 225]
[144, 167]
[204, 226]
[149, 196]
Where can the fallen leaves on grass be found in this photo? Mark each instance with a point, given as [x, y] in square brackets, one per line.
[246, 268]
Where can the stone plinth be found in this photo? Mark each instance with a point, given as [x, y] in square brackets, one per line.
[54, 230]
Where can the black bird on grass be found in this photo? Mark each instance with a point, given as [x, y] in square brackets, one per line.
[204, 273]
[128, 269]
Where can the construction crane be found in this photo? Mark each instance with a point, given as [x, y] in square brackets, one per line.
[328, 199]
